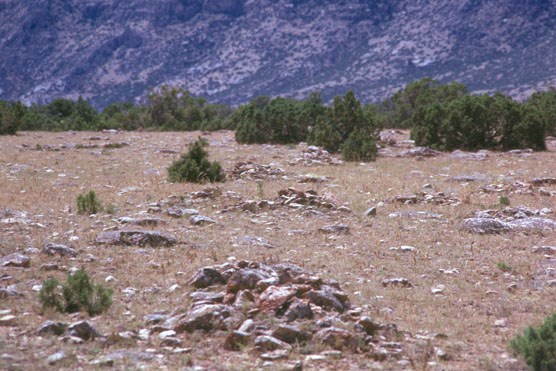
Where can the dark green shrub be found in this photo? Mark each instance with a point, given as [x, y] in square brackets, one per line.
[325, 136]
[88, 203]
[49, 296]
[537, 345]
[359, 146]
[11, 115]
[279, 120]
[194, 166]
[79, 293]
[82, 294]
[479, 122]
[397, 111]
[346, 127]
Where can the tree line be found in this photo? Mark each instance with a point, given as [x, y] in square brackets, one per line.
[440, 116]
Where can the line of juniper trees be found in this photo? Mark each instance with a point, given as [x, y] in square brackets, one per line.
[441, 116]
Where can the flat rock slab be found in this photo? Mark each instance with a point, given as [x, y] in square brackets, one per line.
[15, 260]
[136, 237]
[59, 249]
[421, 152]
[200, 220]
[141, 221]
[494, 225]
[416, 215]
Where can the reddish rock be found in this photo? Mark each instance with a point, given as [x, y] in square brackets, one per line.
[274, 297]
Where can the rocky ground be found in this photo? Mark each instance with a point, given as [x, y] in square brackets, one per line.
[420, 260]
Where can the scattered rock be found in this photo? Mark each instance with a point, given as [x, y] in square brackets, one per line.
[15, 260]
[9, 291]
[416, 215]
[206, 277]
[543, 181]
[485, 226]
[204, 317]
[368, 325]
[211, 193]
[312, 178]
[245, 279]
[267, 343]
[8, 320]
[252, 241]
[520, 152]
[237, 340]
[371, 211]
[141, 221]
[438, 289]
[315, 156]
[300, 199]
[406, 199]
[274, 297]
[298, 310]
[135, 237]
[327, 300]
[420, 152]
[250, 170]
[200, 220]
[290, 334]
[276, 355]
[83, 330]
[396, 282]
[336, 338]
[51, 328]
[467, 178]
[475, 156]
[335, 229]
[500, 221]
[127, 356]
[56, 358]
[59, 249]
[178, 212]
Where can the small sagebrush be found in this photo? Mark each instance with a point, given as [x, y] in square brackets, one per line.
[78, 293]
[88, 203]
[195, 167]
[537, 345]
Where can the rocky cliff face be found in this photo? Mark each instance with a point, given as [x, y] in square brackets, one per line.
[232, 50]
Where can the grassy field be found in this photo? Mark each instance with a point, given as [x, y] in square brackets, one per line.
[493, 285]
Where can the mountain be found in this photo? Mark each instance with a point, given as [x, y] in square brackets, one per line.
[232, 50]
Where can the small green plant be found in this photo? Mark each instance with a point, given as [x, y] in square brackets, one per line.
[78, 293]
[504, 201]
[537, 345]
[195, 167]
[504, 267]
[88, 203]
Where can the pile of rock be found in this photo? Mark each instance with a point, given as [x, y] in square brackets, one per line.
[272, 309]
[300, 199]
[251, 170]
[315, 156]
[438, 198]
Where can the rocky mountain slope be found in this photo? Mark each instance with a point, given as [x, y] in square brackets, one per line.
[232, 50]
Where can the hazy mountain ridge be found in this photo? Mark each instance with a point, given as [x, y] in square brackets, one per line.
[232, 50]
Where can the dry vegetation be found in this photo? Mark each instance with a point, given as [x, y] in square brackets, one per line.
[44, 183]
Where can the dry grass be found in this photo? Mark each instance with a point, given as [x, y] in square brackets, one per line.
[45, 184]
